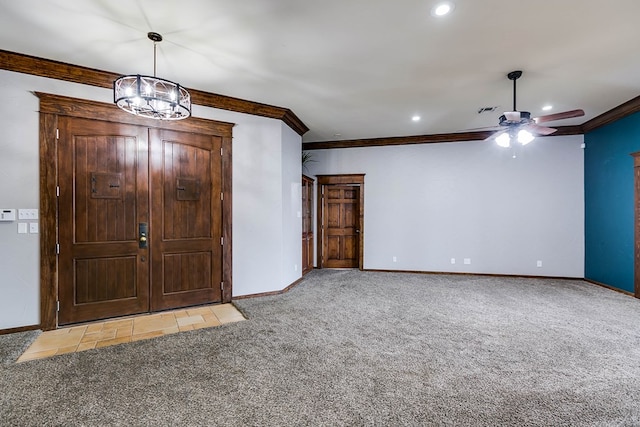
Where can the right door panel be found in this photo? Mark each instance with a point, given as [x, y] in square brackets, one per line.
[186, 234]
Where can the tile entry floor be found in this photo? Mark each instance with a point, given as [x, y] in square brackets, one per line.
[117, 331]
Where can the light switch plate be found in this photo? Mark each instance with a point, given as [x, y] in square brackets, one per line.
[27, 213]
[33, 227]
[22, 228]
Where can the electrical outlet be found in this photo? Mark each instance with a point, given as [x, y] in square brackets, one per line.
[33, 227]
[539, 263]
[453, 260]
[395, 259]
[467, 261]
[295, 267]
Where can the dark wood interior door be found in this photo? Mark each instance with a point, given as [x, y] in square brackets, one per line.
[186, 232]
[307, 224]
[341, 219]
[103, 196]
[140, 219]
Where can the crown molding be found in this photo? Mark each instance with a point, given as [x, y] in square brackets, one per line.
[617, 113]
[41, 67]
[623, 110]
[27, 64]
[420, 139]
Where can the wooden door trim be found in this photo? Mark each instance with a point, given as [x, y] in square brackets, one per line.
[343, 179]
[307, 263]
[54, 106]
[636, 222]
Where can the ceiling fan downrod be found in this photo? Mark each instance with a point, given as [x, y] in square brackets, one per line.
[514, 75]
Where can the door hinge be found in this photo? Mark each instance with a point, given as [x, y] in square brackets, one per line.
[57, 305]
[222, 241]
[57, 248]
[221, 196]
[220, 151]
[222, 286]
[57, 191]
[57, 133]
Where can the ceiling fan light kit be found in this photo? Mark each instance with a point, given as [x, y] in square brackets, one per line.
[152, 97]
[519, 126]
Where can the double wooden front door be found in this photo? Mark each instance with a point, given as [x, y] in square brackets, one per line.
[139, 219]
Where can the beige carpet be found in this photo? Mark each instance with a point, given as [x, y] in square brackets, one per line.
[354, 348]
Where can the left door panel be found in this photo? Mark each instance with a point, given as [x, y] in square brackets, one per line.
[104, 197]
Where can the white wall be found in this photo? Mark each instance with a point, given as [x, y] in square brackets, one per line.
[266, 169]
[291, 205]
[426, 204]
[262, 167]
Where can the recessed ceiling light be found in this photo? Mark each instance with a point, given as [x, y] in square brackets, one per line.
[415, 118]
[547, 107]
[442, 9]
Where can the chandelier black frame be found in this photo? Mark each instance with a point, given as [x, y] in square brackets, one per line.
[150, 96]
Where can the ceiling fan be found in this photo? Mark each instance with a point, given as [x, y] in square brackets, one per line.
[519, 126]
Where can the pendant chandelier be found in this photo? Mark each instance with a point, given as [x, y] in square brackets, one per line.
[152, 97]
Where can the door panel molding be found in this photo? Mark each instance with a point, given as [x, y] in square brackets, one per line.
[325, 182]
[52, 107]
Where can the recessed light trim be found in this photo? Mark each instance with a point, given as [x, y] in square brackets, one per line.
[415, 118]
[547, 107]
[442, 9]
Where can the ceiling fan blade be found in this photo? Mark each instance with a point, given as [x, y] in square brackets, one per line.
[559, 116]
[540, 130]
[512, 116]
[483, 128]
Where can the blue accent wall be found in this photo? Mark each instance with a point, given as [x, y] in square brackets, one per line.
[609, 198]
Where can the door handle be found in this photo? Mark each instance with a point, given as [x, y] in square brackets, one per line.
[142, 235]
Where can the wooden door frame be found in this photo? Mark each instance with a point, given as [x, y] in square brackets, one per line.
[636, 232]
[54, 106]
[355, 180]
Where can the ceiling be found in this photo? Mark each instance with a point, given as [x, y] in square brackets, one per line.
[353, 69]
